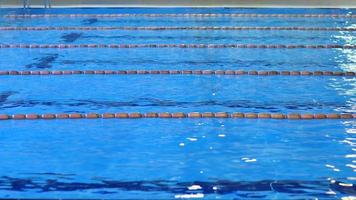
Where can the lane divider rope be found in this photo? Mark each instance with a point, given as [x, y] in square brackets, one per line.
[173, 72]
[41, 28]
[236, 115]
[250, 15]
[126, 46]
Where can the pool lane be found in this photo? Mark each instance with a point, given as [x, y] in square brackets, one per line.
[178, 59]
[177, 21]
[134, 158]
[178, 93]
[176, 37]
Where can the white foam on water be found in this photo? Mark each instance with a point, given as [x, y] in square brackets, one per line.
[189, 196]
[194, 187]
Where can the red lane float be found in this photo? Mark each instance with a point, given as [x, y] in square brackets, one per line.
[208, 115]
[162, 28]
[190, 46]
[167, 115]
[177, 72]
[250, 15]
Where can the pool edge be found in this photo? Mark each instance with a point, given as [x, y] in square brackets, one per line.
[188, 3]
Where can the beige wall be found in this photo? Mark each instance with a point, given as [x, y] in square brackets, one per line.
[227, 3]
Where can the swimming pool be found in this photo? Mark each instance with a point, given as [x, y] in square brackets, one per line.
[185, 103]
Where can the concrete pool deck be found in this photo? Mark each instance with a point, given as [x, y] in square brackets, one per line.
[187, 3]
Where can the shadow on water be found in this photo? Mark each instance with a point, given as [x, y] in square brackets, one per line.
[220, 187]
[206, 62]
[43, 62]
[5, 95]
[152, 102]
[71, 37]
[89, 21]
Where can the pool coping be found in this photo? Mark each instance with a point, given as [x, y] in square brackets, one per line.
[186, 3]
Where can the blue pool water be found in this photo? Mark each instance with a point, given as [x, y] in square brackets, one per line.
[178, 158]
